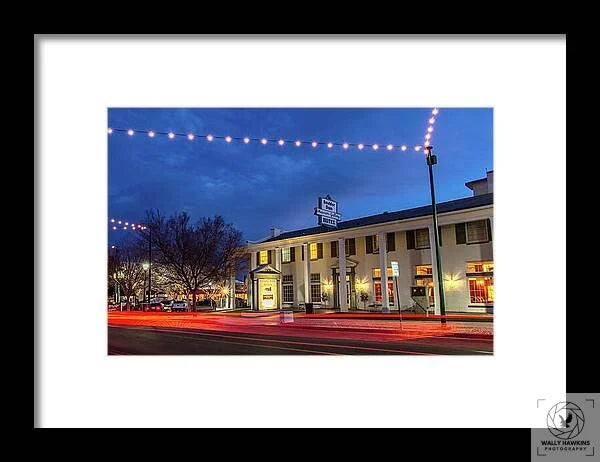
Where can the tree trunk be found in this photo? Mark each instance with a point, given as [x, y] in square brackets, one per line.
[194, 301]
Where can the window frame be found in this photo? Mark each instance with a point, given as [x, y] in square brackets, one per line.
[314, 284]
[485, 228]
[289, 255]
[287, 283]
[428, 246]
[260, 257]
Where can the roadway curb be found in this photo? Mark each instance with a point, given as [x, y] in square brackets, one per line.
[387, 330]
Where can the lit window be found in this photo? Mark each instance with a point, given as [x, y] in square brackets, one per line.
[263, 257]
[313, 251]
[286, 256]
[377, 272]
[422, 238]
[481, 281]
[422, 270]
[480, 267]
[378, 295]
[477, 231]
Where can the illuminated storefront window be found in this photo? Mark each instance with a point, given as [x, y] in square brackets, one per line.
[377, 285]
[424, 277]
[263, 257]
[480, 275]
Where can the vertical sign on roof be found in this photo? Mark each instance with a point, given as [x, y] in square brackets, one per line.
[327, 211]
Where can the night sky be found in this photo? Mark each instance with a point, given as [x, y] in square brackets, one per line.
[258, 187]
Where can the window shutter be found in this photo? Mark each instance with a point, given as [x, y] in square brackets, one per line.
[461, 235]
[352, 247]
[320, 250]
[489, 227]
[391, 242]
[270, 260]
[334, 248]
[257, 259]
[292, 253]
[302, 249]
[440, 235]
[410, 240]
[369, 241]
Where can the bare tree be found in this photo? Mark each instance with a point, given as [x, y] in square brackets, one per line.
[127, 266]
[195, 256]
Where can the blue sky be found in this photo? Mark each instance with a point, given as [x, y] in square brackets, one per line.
[258, 187]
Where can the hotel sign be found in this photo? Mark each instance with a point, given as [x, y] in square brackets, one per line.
[327, 211]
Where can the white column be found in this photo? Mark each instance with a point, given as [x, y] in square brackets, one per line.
[342, 263]
[385, 301]
[434, 271]
[250, 281]
[306, 273]
[278, 268]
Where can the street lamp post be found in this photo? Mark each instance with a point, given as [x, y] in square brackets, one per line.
[146, 267]
[431, 161]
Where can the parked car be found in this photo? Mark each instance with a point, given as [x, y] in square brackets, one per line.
[179, 305]
[155, 306]
[167, 305]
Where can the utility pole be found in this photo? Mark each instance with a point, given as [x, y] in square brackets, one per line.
[431, 161]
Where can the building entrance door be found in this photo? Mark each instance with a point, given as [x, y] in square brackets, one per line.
[350, 292]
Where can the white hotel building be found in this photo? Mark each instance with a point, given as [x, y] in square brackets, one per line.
[291, 268]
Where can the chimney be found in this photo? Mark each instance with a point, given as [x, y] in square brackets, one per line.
[482, 185]
[275, 232]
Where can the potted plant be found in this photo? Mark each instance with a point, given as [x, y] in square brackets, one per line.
[364, 297]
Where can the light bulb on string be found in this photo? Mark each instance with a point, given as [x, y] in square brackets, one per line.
[246, 140]
[375, 147]
[360, 146]
[190, 136]
[429, 129]
[417, 148]
[109, 131]
[171, 135]
[280, 142]
[389, 147]
[112, 220]
[403, 147]
[435, 111]
[314, 144]
[298, 143]
[151, 134]
[130, 132]
[228, 139]
[210, 137]
[263, 141]
[432, 120]
[428, 136]
[345, 145]
[330, 145]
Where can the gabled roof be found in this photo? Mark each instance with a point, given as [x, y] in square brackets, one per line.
[265, 269]
[442, 207]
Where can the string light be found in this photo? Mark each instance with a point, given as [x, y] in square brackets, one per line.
[112, 220]
[282, 141]
[114, 227]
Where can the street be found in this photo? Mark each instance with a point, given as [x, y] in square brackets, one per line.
[234, 334]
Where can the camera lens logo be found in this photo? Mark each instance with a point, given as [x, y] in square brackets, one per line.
[565, 420]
